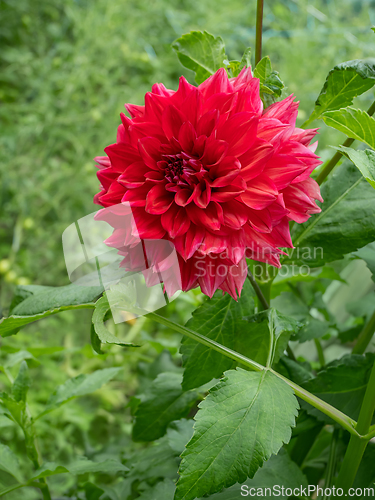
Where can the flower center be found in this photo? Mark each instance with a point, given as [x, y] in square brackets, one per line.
[174, 169]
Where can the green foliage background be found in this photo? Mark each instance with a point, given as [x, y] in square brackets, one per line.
[66, 69]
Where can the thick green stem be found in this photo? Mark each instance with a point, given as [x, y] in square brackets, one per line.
[357, 445]
[258, 33]
[365, 336]
[336, 415]
[337, 156]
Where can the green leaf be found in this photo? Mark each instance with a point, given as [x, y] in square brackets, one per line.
[47, 301]
[344, 82]
[314, 329]
[201, 52]
[22, 383]
[355, 123]
[367, 253]
[363, 160]
[365, 477]
[164, 402]
[100, 334]
[9, 462]
[279, 471]
[179, 434]
[220, 319]
[81, 466]
[164, 490]
[269, 79]
[281, 328]
[147, 464]
[16, 410]
[345, 224]
[22, 292]
[234, 67]
[79, 386]
[243, 421]
[342, 384]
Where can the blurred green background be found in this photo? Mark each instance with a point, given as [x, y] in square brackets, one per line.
[66, 69]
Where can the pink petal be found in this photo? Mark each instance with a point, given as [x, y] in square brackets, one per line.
[239, 132]
[149, 149]
[208, 217]
[158, 200]
[261, 193]
[214, 151]
[134, 175]
[187, 137]
[175, 221]
[172, 121]
[215, 84]
[255, 159]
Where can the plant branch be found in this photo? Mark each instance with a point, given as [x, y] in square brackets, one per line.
[320, 351]
[258, 32]
[336, 415]
[365, 336]
[357, 445]
[337, 156]
[257, 290]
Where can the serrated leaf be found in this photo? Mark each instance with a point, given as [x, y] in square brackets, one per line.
[243, 421]
[363, 160]
[22, 292]
[234, 67]
[313, 329]
[99, 333]
[354, 123]
[342, 384]
[269, 79]
[48, 301]
[22, 383]
[79, 386]
[345, 224]
[9, 462]
[220, 319]
[157, 460]
[367, 253]
[81, 466]
[201, 52]
[179, 434]
[164, 490]
[279, 471]
[164, 402]
[344, 82]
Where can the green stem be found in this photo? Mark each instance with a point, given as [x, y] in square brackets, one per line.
[258, 32]
[261, 298]
[337, 156]
[332, 460]
[365, 336]
[336, 415]
[290, 353]
[357, 445]
[319, 348]
[371, 434]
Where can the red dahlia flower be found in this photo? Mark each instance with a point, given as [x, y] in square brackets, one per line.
[209, 170]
